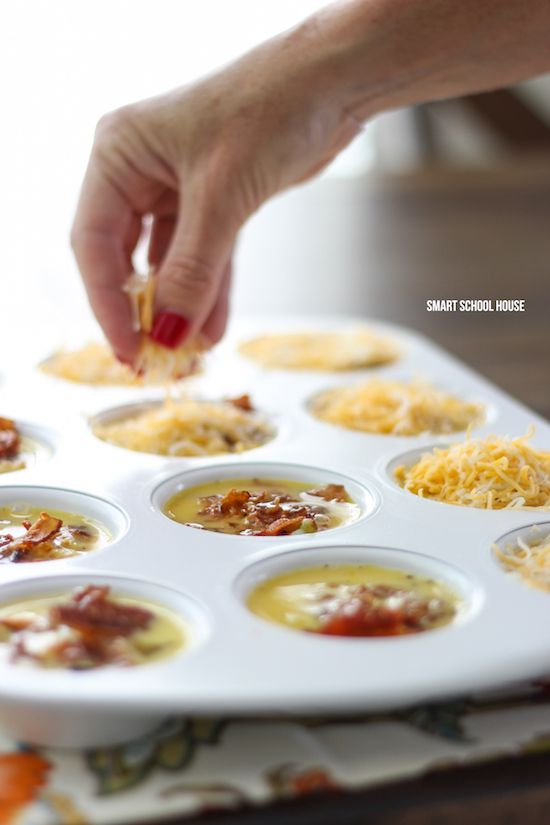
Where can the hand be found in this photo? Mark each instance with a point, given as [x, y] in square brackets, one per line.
[200, 161]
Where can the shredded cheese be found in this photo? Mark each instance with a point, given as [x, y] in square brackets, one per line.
[157, 364]
[530, 560]
[493, 473]
[396, 408]
[331, 351]
[94, 363]
[188, 428]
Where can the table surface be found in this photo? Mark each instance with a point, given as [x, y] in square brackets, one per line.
[457, 234]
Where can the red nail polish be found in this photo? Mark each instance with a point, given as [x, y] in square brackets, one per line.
[169, 329]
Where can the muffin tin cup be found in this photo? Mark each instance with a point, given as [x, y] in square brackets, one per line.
[39, 444]
[80, 716]
[241, 664]
[106, 514]
[124, 411]
[466, 588]
[365, 496]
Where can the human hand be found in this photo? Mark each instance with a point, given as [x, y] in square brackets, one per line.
[200, 160]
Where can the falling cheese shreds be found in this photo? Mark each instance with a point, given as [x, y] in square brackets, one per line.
[158, 364]
[396, 408]
[331, 351]
[530, 560]
[493, 473]
[188, 428]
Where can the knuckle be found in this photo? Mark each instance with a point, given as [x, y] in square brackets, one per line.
[110, 125]
[189, 276]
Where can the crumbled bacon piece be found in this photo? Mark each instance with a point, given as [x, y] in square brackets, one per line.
[282, 526]
[365, 621]
[44, 529]
[330, 492]
[267, 512]
[242, 402]
[91, 611]
[46, 538]
[10, 440]
[89, 630]
[367, 612]
[234, 501]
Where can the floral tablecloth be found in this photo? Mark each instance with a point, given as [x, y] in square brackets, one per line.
[190, 765]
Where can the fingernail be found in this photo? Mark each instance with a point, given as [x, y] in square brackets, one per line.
[169, 329]
[123, 360]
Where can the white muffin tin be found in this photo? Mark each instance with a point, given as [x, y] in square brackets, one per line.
[236, 662]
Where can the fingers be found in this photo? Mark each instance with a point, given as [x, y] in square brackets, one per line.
[104, 234]
[159, 242]
[191, 275]
[214, 326]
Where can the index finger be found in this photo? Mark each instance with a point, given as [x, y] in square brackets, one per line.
[104, 234]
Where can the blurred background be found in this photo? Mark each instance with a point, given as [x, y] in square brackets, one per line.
[450, 199]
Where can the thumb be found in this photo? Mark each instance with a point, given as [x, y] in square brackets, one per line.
[191, 275]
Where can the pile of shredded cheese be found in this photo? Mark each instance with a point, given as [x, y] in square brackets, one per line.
[188, 428]
[530, 560]
[332, 351]
[94, 363]
[493, 473]
[396, 408]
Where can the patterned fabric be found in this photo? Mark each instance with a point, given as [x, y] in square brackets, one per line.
[191, 765]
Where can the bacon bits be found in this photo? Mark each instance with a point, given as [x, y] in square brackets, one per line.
[89, 630]
[242, 402]
[10, 440]
[91, 612]
[330, 492]
[47, 538]
[269, 512]
[381, 610]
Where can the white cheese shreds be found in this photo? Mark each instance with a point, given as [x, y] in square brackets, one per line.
[530, 560]
[188, 428]
[331, 351]
[396, 408]
[494, 473]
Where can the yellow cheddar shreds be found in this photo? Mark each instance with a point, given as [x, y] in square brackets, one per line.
[157, 364]
[332, 351]
[530, 560]
[493, 473]
[94, 363]
[188, 428]
[396, 408]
